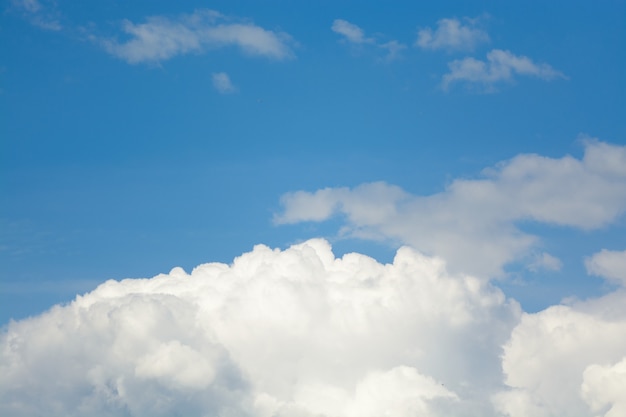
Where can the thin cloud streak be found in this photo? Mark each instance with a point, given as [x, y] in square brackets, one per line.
[161, 38]
[355, 36]
[41, 14]
[500, 66]
[351, 32]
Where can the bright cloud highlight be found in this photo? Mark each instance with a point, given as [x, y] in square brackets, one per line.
[161, 38]
[472, 224]
[500, 66]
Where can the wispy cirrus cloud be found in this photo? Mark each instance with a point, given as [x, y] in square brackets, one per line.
[161, 38]
[41, 13]
[567, 360]
[354, 35]
[351, 32]
[500, 66]
[452, 34]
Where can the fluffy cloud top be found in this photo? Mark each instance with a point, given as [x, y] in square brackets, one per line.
[302, 333]
[472, 224]
[501, 66]
[451, 34]
[277, 333]
[161, 38]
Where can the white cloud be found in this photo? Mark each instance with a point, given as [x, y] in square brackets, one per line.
[545, 261]
[567, 361]
[472, 224]
[608, 264]
[603, 388]
[222, 83]
[351, 32]
[354, 35]
[393, 48]
[161, 38]
[277, 333]
[501, 66]
[451, 34]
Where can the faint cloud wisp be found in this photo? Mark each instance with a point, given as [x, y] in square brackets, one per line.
[161, 38]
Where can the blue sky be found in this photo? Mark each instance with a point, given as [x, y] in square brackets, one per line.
[114, 169]
[138, 137]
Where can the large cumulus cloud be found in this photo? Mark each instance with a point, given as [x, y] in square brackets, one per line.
[301, 333]
[277, 333]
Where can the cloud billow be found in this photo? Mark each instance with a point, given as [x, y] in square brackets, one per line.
[277, 333]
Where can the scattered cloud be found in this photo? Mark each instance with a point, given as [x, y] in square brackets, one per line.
[608, 264]
[31, 6]
[161, 38]
[451, 34]
[394, 49]
[545, 261]
[501, 66]
[42, 14]
[222, 83]
[276, 333]
[354, 35]
[351, 32]
[472, 224]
